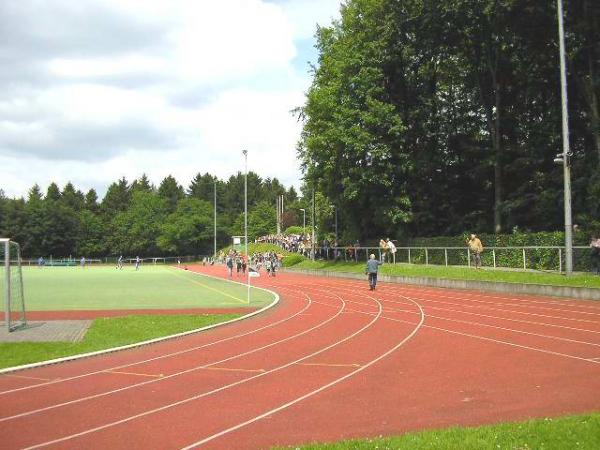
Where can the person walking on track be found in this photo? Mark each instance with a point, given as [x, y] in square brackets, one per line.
[371, 271]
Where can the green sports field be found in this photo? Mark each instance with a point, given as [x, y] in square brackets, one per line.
[155, 287]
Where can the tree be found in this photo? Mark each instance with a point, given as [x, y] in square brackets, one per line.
[171, 191]
[189, 229]
[134, 231]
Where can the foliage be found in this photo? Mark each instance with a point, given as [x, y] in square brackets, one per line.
[139, 219]
[428, 118]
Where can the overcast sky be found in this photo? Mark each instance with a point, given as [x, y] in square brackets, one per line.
[93, 90]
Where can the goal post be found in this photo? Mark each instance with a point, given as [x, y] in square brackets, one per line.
[12, 284]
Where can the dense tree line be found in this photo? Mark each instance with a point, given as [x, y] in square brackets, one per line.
[138, 218]
[435, 117]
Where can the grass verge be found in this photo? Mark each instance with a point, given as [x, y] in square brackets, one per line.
[460, 273]
[107, 333]
[572, 432]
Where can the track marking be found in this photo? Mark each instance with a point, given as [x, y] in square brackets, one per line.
[329, 365]
[314, 392]
[175, 273]
[167, 355]
[222, 388]
[236, 370]
[160, 375]
[27, 378]
[204, 366]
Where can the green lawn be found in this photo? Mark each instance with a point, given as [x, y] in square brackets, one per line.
[107, 333]
[460, 273]
[575, 432]
[152, 287]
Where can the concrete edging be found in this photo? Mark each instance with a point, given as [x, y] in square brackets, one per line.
[579, 293]
[275, 301]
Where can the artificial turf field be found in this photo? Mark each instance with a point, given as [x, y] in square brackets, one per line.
[152, 287]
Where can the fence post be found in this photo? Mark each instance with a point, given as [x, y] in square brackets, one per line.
[468, 257]
[524, 261]
[409, 255]
[446, 256]
[494, 256]
[560, 259]
[426, 257]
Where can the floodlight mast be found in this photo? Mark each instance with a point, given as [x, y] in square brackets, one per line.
[245, 152]
[566, 151]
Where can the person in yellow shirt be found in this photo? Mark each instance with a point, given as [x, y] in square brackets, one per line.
[476, 248]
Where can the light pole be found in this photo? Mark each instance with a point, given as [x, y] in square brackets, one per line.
[245, 152]
[564, 157]
[215, 222]
[303, 221]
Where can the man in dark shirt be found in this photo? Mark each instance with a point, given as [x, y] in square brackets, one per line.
[371, 271]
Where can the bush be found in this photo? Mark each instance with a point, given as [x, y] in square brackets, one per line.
[542, 258]
[292, 260]
[294, 230]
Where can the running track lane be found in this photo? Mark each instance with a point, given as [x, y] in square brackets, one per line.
[476, 359]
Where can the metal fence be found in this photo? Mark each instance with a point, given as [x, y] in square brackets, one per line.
[154, 260]
[524, 258]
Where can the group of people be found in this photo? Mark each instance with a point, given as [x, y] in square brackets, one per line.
[388, 250]
[237, 260]
[271, 261]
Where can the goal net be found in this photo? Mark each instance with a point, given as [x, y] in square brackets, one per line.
[11, 284]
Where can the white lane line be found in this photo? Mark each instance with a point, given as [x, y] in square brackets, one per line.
[157, 358]
[167, 377]
[312, 393]
[497, 341]
[471, 296]
[508, 319]
[544, 324]
[144, 343]
[388, 309]
[205, 394]
[392, 310]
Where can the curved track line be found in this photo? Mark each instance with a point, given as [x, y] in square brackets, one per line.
[314, 392]
[148, 342]
[166, 355]
[167, 377]
[205, 394]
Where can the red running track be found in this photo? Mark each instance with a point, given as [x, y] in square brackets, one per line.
[332, 361]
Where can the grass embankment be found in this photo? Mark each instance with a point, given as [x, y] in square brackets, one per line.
[574, 432]
[460, 273]
[107, 333]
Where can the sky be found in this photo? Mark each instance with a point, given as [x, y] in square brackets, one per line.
[95, 90]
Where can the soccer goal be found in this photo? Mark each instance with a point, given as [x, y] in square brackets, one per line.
[11, 281]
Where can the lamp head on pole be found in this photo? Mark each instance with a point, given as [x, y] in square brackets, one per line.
[245, 152]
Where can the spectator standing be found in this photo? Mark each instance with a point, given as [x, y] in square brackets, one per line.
[229, 264]
[82, 262]
[383, 248]
[392, 249]
[137, 263]
[595, 253]
[120, 262]
[41, 262]
[371, 271]
[476, 249]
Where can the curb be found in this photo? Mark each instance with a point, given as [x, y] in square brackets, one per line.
[150, 341]
[579, 293]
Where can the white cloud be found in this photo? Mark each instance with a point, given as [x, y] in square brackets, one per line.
[98, 89]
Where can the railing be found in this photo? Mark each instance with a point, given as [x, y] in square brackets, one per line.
[50, 261]
[523, 258]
